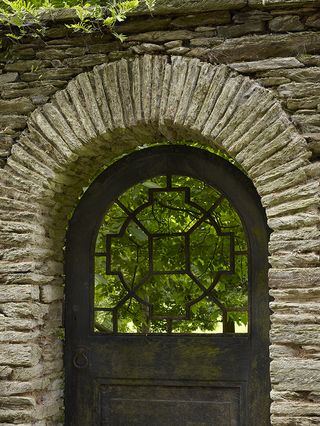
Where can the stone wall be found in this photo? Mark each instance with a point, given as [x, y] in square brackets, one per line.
[272, 57]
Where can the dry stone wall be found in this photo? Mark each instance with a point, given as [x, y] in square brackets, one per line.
[241, 75]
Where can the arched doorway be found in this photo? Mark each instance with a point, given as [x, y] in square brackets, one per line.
[131, 359]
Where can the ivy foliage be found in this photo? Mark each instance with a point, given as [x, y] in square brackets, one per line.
[170, 298]
[23, 17]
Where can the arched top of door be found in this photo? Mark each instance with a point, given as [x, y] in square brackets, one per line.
[174, 218]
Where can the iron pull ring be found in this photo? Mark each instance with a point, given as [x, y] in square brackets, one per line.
[80, 359]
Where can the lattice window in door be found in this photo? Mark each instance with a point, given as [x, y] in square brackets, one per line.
[171, 257]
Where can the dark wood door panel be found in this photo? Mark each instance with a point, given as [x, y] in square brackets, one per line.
[169, 405]
[189, 358]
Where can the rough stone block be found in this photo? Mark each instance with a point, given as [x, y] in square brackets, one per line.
[205, 41]
[300, 75]
[313, 21]
[303, 103]
[50, 293]
[288, 420]
[41, 89]
[205, 19]
[88, 60]
[286, 23]
[259, 47]
[241, 29]
[294, 260]
[23, 52]
[26, 65]
[307, 123]
[271, 4]
[18, 293]
[198, 52]
[17, 336]
[164, 36]
[304, 295]
[310, 60]
[301, 408]
[9, 77]
[58, 15]
[301, 277]
[288, 332]
[240, 17]
[22, 354]
[173, 44]
[299, 90]
[17, 402]
[140, 24]
[314, 146]
[147, 48]
[53, 367]
[310, 245]
[178, 51]
[5, 371]
[304, 233]
[164, 7]
[23, 310]
[15, 122]
[16, 106]
[15, 416]
[60, 73]
[304, 190]
[266, 64]
[19, 324]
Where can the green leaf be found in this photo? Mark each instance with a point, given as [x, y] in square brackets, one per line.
[150, 184]
[14, 36]
[127, 6]
[110, 21]
[120, 37]
[87, 28]
[137, 233]
[150, 4]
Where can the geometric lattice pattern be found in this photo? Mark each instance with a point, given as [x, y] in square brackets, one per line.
[170, 279]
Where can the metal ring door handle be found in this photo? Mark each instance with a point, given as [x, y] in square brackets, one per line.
[80, 359]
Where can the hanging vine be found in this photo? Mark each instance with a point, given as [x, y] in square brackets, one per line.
[21, 18]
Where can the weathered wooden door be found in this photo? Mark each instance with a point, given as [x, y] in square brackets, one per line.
[166, 308]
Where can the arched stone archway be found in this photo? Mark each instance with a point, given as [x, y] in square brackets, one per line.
[108, 112]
